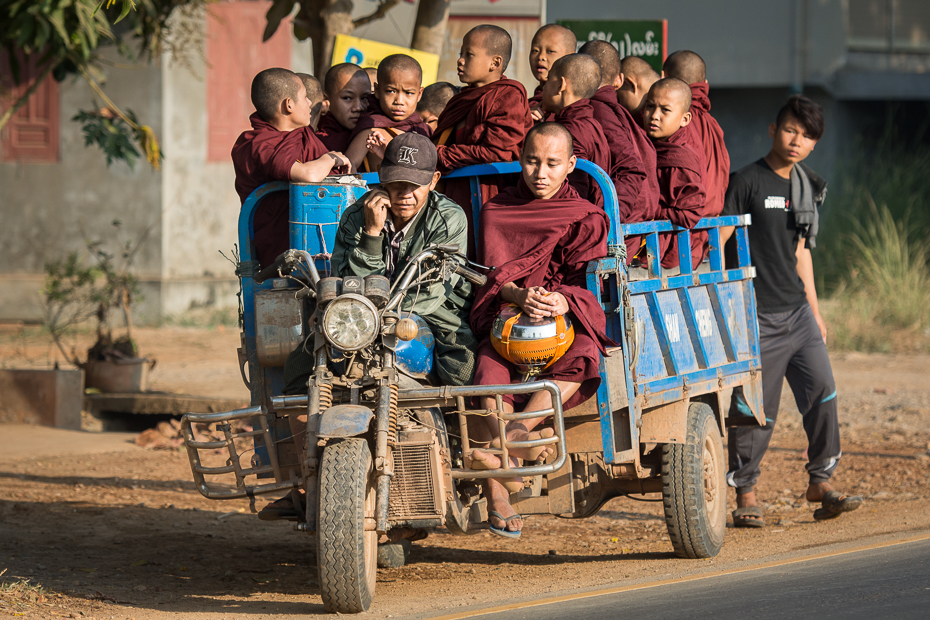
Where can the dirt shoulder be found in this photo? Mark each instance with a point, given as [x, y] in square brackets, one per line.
[124, 534]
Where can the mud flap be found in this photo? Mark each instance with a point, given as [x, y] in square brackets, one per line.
[343, 421]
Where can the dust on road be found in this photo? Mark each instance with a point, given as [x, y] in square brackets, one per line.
[126, 535]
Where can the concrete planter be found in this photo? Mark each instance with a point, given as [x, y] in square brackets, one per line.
[125, 375]
[46, 397]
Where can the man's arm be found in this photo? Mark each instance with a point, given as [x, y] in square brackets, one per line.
[806, 273]
[359, 247]
[316, 170]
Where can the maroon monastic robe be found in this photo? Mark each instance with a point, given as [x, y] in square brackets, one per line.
[705, 136]
[260, 156]
[479, 126]
[536, 101]
[544, 243]
[627, 170]
[682, 195]
[374, 117]
[588, 142]
[333, 135]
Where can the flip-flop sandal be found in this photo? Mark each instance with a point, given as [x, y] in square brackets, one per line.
[824, 514]
[748, 516]
[503, 531]
[837, 502]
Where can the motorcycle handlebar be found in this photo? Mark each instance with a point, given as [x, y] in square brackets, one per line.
[472, 276]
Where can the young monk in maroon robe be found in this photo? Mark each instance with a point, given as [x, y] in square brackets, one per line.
[486, 121]
[318, 103]
[550, 43]
[392, 110]
[280, 147]
[679, 167]
[703, 132]
[434, 100]
[540, 237]
[346, 87]
[631, 151]
[627, 169]
[638, 78]
[572, 80]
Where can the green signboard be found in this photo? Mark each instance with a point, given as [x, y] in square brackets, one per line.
[647, 39]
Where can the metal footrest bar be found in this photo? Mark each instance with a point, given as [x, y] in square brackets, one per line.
[232, 466]
[460, 393]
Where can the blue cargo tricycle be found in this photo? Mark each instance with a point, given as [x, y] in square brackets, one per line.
[377, 446]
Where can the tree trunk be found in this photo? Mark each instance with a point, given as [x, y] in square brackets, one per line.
[429, 31]
[323, 20]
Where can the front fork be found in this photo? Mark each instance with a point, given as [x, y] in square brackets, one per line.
[385, 437]
[319, 399]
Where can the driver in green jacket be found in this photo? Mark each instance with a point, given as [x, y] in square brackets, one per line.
[390, 225]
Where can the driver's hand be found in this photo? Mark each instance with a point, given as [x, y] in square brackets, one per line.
[376, 210]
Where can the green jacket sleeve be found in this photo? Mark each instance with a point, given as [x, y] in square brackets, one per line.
[446, 224]
[356, 253]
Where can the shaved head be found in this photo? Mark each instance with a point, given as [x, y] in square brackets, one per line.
[313, 86]
[272, 86]
[398, 63]
[637, 68]
[565, 36]
[579, 70]
[550, 130]
[676, 87]
[495, 40]
[686, 66]
[337, 76]
[436, 96]
[607, 57]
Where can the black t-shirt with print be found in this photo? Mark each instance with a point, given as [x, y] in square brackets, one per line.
[773, 236]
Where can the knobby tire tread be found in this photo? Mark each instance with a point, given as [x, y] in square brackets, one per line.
[343, 477]
[682, 489]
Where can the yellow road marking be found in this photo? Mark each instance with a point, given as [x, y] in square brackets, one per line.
[664, 582]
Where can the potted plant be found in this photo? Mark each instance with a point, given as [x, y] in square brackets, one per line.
[75, 293]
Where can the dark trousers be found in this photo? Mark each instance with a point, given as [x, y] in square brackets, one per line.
[792, 348]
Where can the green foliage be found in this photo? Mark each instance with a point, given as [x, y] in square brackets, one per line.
[64, 37]
[894, 173]
[115, 137]
[76, 292]
[883, 305]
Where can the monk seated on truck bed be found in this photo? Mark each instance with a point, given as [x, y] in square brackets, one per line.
[539, 236]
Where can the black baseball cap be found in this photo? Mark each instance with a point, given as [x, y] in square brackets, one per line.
[409, 157]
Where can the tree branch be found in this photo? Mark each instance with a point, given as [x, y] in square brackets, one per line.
[4, 119]
[381, 11]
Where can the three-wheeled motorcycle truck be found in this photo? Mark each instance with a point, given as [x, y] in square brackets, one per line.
[380, 445]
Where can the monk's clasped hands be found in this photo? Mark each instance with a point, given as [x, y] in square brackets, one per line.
[539, 303]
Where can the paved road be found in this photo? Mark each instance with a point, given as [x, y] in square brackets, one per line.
[891, 582]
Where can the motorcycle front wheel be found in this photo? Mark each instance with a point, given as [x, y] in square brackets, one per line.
[347, 553]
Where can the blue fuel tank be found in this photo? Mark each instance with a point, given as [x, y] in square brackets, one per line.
[315, 212]
[415, 357]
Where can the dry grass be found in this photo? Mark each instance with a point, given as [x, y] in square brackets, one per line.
[884, 304]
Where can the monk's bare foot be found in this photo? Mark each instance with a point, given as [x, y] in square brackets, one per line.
[499, 502]
[529, 454]
[485, 460]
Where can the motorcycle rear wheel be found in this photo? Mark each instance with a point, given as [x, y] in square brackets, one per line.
[347, 553]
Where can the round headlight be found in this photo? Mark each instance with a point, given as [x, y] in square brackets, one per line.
[350, 322]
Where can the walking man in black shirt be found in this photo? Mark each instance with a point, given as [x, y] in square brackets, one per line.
[783, 196]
